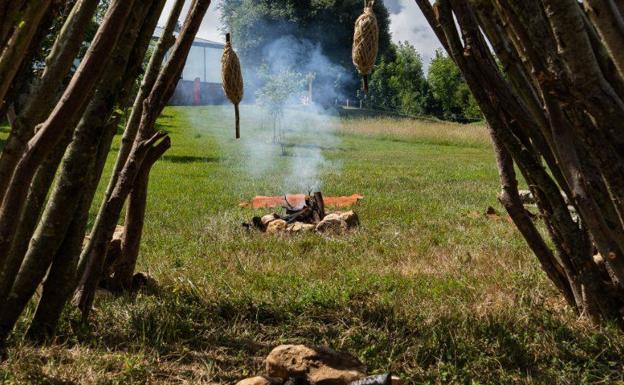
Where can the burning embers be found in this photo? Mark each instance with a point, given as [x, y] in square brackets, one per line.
[305, 215]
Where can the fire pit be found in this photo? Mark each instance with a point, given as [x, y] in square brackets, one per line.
[305, 215]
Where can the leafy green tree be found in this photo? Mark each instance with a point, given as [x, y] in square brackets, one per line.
[382, 94]
[398, 81]
[450, 90]
[278, 90]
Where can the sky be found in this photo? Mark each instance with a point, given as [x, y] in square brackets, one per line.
[407, 24]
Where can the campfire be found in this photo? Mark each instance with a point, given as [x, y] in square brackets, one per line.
[304, 213]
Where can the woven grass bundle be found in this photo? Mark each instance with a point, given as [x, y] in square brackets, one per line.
[366, 42]
[232, 78]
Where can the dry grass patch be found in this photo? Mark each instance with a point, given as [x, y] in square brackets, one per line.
[419, 130]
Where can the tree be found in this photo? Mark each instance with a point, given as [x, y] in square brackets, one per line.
[278, 90]
[555, 111]
[398, 82]
[450, 90]
[255, 25]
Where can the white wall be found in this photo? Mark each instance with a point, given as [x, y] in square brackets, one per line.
[203, 63]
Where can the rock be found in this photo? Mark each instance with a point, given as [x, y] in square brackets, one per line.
[526, 197]
[143, 281]
[117, 239]
[331, 224]
[351, 218]
[332, 216]
[259, 380]
[265, 220]
[276, 226]
[114, 250]
[321, 366]
[300, 227]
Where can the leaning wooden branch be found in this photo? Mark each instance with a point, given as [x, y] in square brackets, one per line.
[554, 104]
[77, 166]
[64, 117]
[93, 269]
[44, 93]
[92, 257]
[16, 49]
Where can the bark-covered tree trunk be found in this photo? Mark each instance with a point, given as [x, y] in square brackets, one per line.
[64, 117]
[32, 212]
[60, 280]
[24, 78]
[10, 11]
[17, 46]
[124, 268]
[609, 22]
[92, 258]
[74, 174]
[95, 252]
[40, 102]
[44, 93]
[164, 44]
[561, 102]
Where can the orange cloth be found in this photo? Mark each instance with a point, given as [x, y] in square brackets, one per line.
[297, 200]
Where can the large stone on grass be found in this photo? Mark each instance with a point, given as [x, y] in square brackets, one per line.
[260, 380]
[333, 216]
[277, 226]
[300, 227]
[332, 224]
[351, 218]
[265, 220]
[321, 366]
[526, 197]
[117, 238]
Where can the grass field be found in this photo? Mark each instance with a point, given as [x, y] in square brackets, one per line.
[428, 287]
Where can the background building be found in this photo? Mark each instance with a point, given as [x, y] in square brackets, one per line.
[201, 78]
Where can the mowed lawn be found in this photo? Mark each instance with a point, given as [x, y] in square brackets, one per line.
[429, 287]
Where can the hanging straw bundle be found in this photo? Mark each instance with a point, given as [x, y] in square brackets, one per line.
[366, 42]
[232, 78]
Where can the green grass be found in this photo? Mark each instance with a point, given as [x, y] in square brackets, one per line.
[428, 287]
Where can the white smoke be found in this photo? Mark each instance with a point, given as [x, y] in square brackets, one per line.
[294, 163]
[306, 127]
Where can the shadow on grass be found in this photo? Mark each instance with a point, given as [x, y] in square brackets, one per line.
[515, 347]
[189, 159]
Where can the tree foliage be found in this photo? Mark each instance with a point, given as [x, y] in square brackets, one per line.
[399, 84]
[450, 90]
[326, 23]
